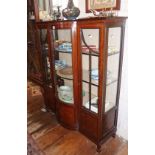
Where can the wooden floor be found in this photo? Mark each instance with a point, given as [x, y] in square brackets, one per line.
[53, 139]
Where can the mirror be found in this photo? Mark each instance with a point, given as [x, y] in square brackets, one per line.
[45, 9]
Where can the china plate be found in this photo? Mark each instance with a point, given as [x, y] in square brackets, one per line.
[63, 50]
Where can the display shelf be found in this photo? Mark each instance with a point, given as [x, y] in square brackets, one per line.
[65, 93]
[65, 101]
[92, 53]
[109, 106]
[113, 53]
[111, 81]
[65, 78]
[90, 83]
[68, 77]
[97, 54]
[94, 106]
[85, 77]
[86, 100]
[63, 51]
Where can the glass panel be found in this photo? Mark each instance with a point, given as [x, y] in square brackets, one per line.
[30, 10]
[45, 9]
[32, 54]
[30, 34]
[114, 40]
[44, 52]
[63, 65]
[33, 63]
[90, 61]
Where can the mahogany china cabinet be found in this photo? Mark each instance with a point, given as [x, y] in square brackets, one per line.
[80, 63]
[38, 63]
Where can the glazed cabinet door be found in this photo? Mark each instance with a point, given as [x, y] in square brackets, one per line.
[33, 54]
[90, 68]
[89, 54]
[113, 59]
[64, 61]
[48, 90]
[114, 52]
[63, 65]
[45, 54]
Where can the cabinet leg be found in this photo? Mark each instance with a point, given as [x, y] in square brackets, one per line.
[98, 149]
[44, 109]
[114, 135]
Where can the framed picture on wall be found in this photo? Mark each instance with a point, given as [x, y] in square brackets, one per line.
[100, 5]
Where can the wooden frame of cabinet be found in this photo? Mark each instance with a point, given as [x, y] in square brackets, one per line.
[97, 126]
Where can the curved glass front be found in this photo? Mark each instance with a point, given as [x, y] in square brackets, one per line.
[63, 64]
[114, 42]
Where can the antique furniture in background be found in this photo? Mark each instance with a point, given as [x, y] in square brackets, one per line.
[38, 63]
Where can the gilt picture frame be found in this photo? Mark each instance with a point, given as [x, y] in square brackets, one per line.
[100, 5]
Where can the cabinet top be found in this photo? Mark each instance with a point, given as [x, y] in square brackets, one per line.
[102, 19]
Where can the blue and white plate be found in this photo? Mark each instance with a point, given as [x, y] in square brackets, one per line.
[60, 64]
[65, 47]
[94, 74]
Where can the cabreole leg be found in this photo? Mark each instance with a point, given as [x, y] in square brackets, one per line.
[98, 149]
[114, 135]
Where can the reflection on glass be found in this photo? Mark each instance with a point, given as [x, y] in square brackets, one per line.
[44, 50]
[90, 73]
[63, 65]
[90, 41]
[30, 9]
[45, 9]
[32, 54]
[114, 40]
[33, 63]
[114, 37]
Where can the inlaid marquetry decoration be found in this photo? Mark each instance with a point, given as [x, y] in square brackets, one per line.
[102, 5]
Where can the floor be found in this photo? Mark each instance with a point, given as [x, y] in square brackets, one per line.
[53, 139]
